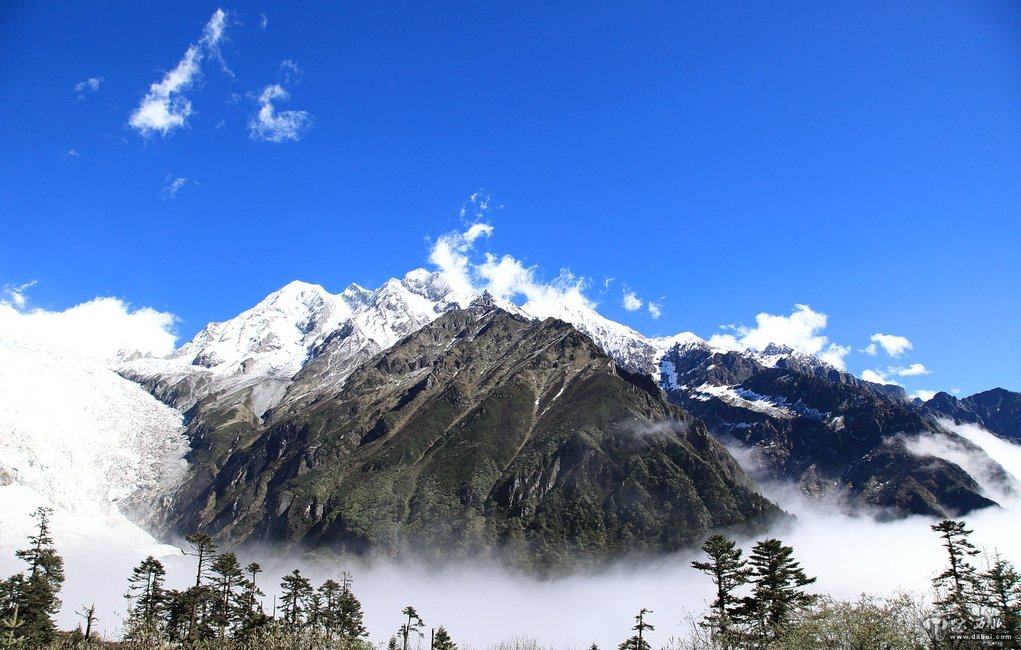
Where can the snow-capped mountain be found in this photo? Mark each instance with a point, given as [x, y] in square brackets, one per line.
[805, 420]
[251, 360]
[302, 341]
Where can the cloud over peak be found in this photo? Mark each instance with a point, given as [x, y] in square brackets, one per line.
[505, 277]
[103, 329]
[801, 331]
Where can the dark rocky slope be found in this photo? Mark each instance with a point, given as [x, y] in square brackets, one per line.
[480, 433]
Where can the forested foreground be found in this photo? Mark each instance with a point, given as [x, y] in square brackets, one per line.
[764, 600]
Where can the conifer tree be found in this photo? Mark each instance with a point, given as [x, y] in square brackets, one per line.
[349, 613]
[636, 642]
[148, 600]
[414, 624]
[197, 597]
[778, 592]
[329, 593]
[227, 580]
[296, 590]
[34, 594]
[253, 616]
[728, 571]
[442, 640]
[1002, 597]
[958, 586]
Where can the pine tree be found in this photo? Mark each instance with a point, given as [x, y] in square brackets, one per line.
[227, 579]
[728, 571]
[349, 613]
[636, 642]
[35, 594]
[958, 587]
[409, 627]
[777, 593]
[296, 590]
[329, 593]
[149, 600]
[198, 597]
[253, 618]
[1002, 597]
[442, 641]
[10, 630]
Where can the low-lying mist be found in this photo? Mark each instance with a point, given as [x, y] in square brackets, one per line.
[481, 606]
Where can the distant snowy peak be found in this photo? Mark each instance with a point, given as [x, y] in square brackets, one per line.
[628, 348]
[303, 340]
[251, 359]
[275, 334]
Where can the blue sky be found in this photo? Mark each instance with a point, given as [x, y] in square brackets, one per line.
[721, 160]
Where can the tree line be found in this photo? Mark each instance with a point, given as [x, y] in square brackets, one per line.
[762, 601]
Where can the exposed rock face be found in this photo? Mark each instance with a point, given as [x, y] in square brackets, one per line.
[482, 432]
[829, 432]
[997, 410]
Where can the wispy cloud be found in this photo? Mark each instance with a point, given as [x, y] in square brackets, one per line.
[14, 296]
[90, 85]
[924, 395]
[655, 309]
[172, 185]
[270, 125]
[893, 345]
[801, 331]
[631, 300]
[477, 207]
[290, 71]
[165, 108]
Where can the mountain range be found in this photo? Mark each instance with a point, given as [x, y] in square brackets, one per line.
[417, 420]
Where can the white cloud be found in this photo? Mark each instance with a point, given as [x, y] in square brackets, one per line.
[90, 85]
[477, 230]
[924, 395]
[289, 71]
[504, 277]
[655, 309]
[631, 301]
[165, 108]
[103, 329]
[877, 377]
[71, 153]
[477, 207]
[913, 370]
[801, 331]
[172, 185]
[871, 350]
[16, 295]
[894, 346]
[212, 34]
[272, 126]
